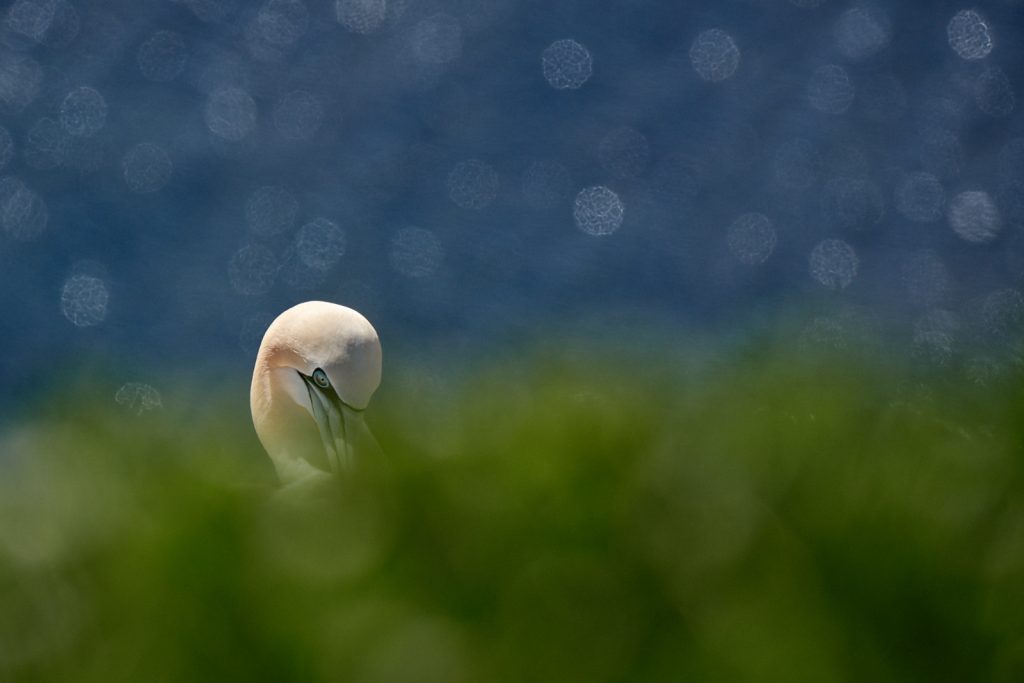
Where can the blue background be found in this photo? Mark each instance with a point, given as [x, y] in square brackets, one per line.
[394, 128]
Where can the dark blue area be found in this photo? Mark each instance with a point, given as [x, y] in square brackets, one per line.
[389, 139]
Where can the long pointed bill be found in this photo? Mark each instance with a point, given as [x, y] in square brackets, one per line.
[329, 412]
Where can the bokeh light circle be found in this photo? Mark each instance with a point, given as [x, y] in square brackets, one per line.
[282, 22]
[320, 243]
[21, 82]
[862, 31]
[566, 64]
[231, 113]
[361, 16]
[714, 55]
[974, 216]
[598, 211]
[993, 93]
[437, 39]
[138, 397]
[834, 264]
[830, 89]
[969, 35]
[83, 112]
[84, 300]
[23, 212]
[751, 238]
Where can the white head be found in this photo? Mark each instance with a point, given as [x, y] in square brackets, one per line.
[316, 369]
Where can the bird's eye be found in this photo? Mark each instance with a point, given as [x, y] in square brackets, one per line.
[320, 377]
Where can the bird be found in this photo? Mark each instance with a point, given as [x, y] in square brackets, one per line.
[317, 367]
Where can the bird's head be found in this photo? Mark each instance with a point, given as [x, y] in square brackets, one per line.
[316, 369]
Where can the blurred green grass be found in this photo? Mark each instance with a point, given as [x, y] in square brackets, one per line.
[770, 516]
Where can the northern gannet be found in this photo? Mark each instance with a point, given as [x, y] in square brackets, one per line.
[316, 369]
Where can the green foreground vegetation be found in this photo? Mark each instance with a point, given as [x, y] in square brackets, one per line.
[773, 517]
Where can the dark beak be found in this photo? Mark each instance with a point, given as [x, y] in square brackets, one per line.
[333, 422]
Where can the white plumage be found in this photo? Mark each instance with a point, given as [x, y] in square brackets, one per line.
[316, 370]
